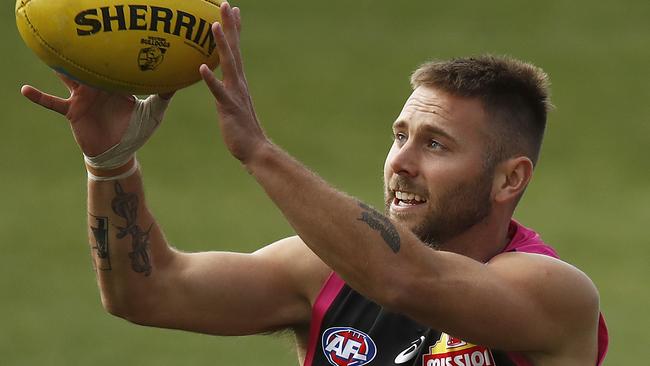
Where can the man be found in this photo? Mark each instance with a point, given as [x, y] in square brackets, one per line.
[445, 277]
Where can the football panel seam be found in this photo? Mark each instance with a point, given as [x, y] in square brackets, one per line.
[218, 5]
[20, 7]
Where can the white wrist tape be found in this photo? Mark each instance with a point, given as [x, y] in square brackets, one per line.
[146, 117]
[126, 174]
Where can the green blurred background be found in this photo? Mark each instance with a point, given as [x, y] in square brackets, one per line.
[328, 78]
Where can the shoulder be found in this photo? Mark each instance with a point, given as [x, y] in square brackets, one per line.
[558, 291]
[306, 271]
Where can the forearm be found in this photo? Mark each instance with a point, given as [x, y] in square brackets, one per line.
[388, 264]
[128, 247]
[359, 243]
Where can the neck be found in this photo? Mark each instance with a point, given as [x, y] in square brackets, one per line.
[484, 240]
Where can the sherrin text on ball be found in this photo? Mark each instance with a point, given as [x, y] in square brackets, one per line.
[138, 46]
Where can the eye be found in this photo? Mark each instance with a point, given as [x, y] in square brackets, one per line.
[435, 144]
[399, 137]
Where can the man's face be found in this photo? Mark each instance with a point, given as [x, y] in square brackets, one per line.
[436, 181]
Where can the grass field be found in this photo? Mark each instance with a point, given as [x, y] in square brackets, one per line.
[328, 78]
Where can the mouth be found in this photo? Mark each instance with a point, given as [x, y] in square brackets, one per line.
[405, 200]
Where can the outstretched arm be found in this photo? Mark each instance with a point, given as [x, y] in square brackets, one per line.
[519, 302]
[141, 278]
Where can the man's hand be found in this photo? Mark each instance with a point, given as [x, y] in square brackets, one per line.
[239, 125]
[100, 120]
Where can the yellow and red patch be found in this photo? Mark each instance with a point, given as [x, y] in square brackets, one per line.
[450, 351]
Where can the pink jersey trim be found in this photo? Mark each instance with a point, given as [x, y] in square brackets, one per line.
[527, 241]
[328, 293]
[603, 340]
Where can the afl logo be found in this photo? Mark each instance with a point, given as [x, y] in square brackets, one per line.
[344, 346]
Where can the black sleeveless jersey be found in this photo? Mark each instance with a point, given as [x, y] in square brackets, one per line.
[357, 331]
[348, 329]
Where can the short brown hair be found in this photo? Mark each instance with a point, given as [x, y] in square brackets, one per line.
[514, 93]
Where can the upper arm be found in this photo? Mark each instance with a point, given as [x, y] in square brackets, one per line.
[558, 300]
[236, 294]
[516, 302]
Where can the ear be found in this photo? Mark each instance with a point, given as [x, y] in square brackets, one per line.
[511, 178]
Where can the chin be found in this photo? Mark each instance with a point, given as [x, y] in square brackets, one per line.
[408, 220]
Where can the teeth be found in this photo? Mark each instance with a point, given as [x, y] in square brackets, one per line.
[406, 196]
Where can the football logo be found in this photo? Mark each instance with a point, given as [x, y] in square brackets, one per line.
[153, 53]
[344, 346]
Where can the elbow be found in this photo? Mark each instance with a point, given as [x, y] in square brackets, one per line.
[118, 309]
[113, 308]
[125, 310]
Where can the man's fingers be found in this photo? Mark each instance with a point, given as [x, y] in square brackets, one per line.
[226, 58]
[235, 31]
[215, 85]
[229, 22]
[237, 14]
[48, 101]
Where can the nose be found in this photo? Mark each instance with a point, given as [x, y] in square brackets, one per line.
[404, 160]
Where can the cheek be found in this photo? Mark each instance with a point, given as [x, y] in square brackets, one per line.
[388, 171]
[442, 176]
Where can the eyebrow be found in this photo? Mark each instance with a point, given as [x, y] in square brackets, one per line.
[433, 130]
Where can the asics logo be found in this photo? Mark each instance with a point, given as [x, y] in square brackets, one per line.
[410, 352]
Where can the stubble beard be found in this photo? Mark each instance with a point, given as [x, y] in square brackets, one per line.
[453, 211]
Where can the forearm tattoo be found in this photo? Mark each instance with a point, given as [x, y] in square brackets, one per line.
[125, 205]
[381, 223]
[100, 233]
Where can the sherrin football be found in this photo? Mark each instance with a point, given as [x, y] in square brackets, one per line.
[133, 46]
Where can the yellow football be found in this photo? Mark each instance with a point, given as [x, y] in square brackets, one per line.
[133, 46]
